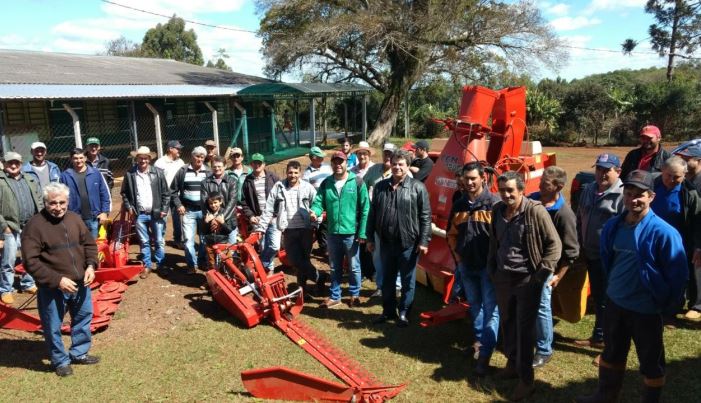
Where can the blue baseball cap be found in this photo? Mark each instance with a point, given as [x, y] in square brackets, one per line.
[607, 161]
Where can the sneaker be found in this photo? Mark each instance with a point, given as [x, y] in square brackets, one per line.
[7, 298]
[86, 360]
[31, 290]
[693, 315]
[145, 273]
[330, 303]
[64, 371]
[377, 293]
[539, 360]
[191, 270]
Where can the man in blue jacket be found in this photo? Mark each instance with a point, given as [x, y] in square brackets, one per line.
[644, 262]
[89, 196]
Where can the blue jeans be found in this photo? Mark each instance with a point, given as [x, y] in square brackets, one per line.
[146, 227]
[93, 225]
[233, 235]
[340, 246]
[544, 321]
[9, 258]
[192, 222]
[270, 246]
[377, 262]
[482, 298]
[52, 304]
[397, 261]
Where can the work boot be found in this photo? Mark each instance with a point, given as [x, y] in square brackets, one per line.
[522, 391]
[509, 372]
[7, 298]
[610, 383]
[31, 290]
[482, 365]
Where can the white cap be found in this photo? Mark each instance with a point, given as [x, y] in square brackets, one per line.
[389, 147]
[38, 144]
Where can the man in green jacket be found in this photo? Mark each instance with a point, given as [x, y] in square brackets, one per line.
[346, 204]
[20, 199]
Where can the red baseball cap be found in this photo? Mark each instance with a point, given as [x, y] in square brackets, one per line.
[339, 154]
[651, 131]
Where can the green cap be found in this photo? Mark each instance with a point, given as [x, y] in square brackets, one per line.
[92, 140]
[258, 157]
[317, 152]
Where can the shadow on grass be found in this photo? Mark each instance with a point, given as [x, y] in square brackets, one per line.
[24, 353]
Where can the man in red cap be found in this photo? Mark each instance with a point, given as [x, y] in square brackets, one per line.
[649, 156]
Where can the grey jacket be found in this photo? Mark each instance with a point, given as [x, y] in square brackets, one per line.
[9, 207]
[593, 212]
[276, 205]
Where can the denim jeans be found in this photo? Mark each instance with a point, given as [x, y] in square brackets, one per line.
[340, 246]
[377, 262]
[93, 225]
[52, 304]
[598, 294]
[9, 258]
[191, 223]
[233, 235]
[270, 246]
[398, 262]
[482, 298]
[146, 227]
[544, 322]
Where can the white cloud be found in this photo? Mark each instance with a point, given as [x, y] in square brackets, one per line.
[559, 9]
[243, 48]
[598, 5]
[573, 23]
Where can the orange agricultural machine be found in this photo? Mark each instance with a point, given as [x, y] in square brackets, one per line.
[244, 288]
[110, 282]
[491, 129]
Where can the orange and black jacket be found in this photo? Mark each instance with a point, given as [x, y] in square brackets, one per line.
[468, 229]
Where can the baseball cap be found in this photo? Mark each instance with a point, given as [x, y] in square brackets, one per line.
[421, 144]
[689, 149]
[92, 140]
[235, 150]
[409, 146]
[38, 144]
[210, 143]
[641, 179]
[12, 156]
[339, 154]
[651, 131]
[317, 152]
[174, 144]
[258, 157]
[607, 161]
[389, 147]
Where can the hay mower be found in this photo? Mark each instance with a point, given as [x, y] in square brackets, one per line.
[244, 288]
[111, 278]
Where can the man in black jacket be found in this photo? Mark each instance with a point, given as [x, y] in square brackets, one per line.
[649, 156]
[256, 188]
[400, 213]
[146, 196]
[221, 183]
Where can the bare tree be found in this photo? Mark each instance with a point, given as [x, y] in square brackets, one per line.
[391, 44]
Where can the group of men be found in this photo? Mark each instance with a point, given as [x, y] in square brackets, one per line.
[634, 234]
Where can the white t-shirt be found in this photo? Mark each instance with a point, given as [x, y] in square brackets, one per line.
[169, 166]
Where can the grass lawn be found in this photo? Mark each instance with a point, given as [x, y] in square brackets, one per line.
[200, 360]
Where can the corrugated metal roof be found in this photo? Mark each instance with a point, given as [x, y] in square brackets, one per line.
[30, 67]
[291, 90]
[51, 91]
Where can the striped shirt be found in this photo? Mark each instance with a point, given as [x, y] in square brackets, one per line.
[192, 187]
[259, 183]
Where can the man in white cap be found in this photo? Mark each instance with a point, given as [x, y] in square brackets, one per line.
[44, 171]
[98, 161]
[170, 163]
[146, 196]
[20, 199]
[186, 192]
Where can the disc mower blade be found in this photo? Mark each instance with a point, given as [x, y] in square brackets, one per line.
[12, 318]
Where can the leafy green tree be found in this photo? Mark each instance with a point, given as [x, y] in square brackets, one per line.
[172, 41]
[677, 32]
[391, 45]
[543, 112]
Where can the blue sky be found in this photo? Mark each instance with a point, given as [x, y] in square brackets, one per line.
[83, 26]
